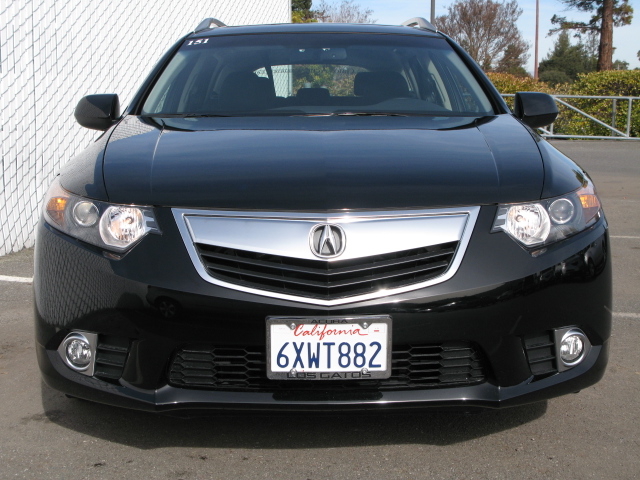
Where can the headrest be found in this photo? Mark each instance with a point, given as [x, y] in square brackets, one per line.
[242, 82]
[313, 95]
[245, 91]
[380, 84]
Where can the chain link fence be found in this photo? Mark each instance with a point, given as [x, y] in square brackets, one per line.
[53, 52]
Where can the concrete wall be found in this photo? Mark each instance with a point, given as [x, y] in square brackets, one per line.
[53, 52]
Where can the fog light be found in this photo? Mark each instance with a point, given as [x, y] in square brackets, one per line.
[78, 351]
[573, 346]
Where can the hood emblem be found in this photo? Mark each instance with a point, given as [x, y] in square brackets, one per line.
[327, 241]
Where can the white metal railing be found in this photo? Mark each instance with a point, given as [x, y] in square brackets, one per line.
[615, 133]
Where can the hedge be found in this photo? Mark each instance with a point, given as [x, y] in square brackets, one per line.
[622, 83]
[507, 83]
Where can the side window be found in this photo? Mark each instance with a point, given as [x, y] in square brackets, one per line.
[338, 79]
[261, 72]
[436, 81]
[158, 99]
[288, 79]
[186, 85]
[431, 85]
[198, 93]
[467, 88]
[281, 79]
[470, 103]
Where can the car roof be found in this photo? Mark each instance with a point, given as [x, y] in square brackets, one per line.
[314, 28]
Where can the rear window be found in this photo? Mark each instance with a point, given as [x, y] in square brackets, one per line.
[316, 74]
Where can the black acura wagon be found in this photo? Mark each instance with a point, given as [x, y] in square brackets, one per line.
[320, 216]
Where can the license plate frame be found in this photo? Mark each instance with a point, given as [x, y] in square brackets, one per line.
[366, 324]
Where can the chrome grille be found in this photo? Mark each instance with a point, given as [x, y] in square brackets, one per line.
[274, 254]
[324, 279]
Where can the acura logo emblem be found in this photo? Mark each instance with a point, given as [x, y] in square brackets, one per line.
[327, 241]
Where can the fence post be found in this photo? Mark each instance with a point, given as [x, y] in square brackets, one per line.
[629, 117]
[613, 115]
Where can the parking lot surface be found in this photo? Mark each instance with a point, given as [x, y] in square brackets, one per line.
[594, 434]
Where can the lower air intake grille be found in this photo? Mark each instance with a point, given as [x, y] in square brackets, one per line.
[244, 369]
[541, 354]
[111, 355]
[322, 279]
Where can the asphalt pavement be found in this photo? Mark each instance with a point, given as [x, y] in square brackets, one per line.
[593, 434]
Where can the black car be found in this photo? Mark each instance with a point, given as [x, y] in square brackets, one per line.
[320, 216]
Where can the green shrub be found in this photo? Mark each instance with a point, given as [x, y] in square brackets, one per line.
[507, 83]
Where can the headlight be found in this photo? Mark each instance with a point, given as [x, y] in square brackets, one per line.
[108, 226]
[551, 220]
[528, 223]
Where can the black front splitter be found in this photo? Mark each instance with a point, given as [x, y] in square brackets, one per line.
[191, 402]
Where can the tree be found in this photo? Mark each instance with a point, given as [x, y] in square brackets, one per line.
[347, 11]
[487, 30]
[620, 65]
[566, 61]
[606, 15]
[301, 11]
[512, 62]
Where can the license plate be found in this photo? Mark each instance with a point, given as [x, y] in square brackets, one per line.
[329, 348]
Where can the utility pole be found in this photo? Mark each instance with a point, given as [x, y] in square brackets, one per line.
[535, 61]
[433, 12]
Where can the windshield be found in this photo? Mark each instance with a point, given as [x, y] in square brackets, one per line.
[316, 74]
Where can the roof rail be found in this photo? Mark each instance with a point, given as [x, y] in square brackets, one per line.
[420, 23]
[206, 24]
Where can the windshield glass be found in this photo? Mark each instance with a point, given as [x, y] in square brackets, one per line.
[317, 74]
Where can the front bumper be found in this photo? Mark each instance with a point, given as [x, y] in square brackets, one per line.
[500, 295]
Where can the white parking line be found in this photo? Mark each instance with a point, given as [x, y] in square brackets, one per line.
[626, 315]
[5, 278]
[625, 236]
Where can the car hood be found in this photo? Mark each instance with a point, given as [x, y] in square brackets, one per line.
[322, 163]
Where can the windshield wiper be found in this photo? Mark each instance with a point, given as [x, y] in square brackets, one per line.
[198, 115]
[372, 114]
[186, 115]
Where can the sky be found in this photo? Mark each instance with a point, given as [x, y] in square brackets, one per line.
[626, 39]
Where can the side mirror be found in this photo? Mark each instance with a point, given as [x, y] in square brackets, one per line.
[535, 109]
[98, 112]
